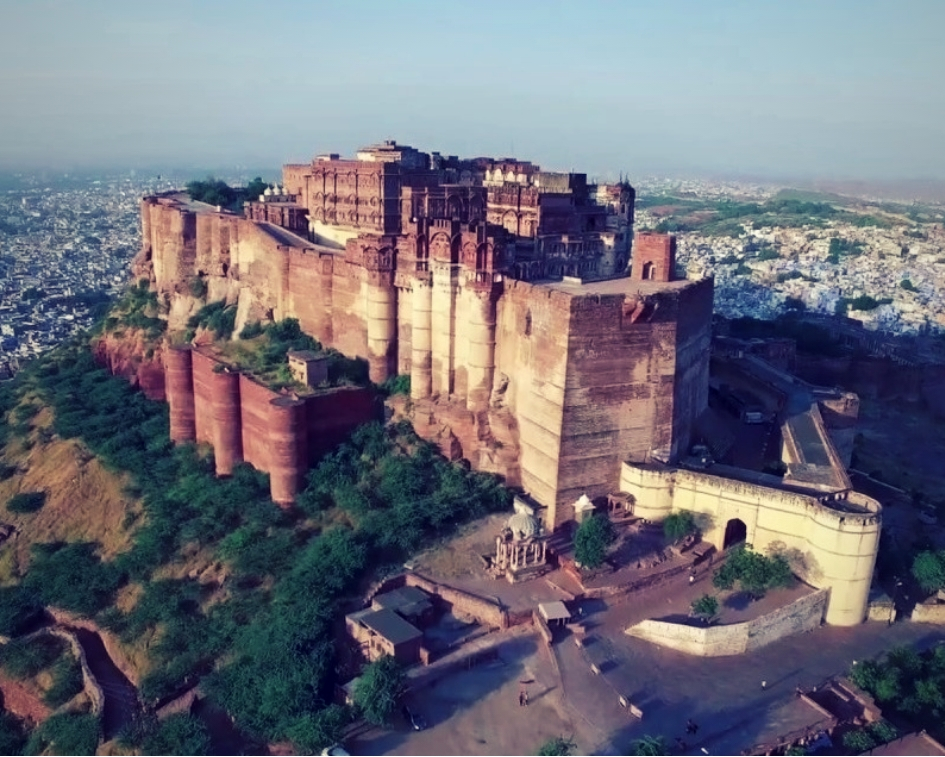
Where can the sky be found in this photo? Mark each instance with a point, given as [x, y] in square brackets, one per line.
[842, 89]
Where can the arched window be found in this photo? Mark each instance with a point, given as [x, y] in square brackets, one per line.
[649, 271]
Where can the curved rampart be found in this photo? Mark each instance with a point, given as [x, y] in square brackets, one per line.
[381, 329]
[179, 381]
[833, 543]
[421, 357]
[227, 428]
[288, 452]
[481, 352]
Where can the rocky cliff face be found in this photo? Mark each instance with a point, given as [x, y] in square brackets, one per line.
[134, 357]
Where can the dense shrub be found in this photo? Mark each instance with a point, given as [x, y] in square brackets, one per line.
[66, 681]
[26, 502]
[178, 734]
[24, 658]
[216, 317]
[12, 734]
[379, 690]
[20, 609]
[73, 577]
[66, 734]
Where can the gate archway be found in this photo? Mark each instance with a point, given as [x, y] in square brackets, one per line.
[735, 533]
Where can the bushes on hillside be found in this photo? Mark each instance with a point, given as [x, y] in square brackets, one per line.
[264, 646]
[26, 502]
[21, 609]
[73, 577]
[66, 733]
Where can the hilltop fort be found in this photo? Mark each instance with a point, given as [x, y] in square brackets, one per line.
[543, 341]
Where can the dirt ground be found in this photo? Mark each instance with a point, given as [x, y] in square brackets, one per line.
[84, 501]
[460, 557]
[478, 712]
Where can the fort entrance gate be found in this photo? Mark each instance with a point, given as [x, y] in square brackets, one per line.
[735, 533]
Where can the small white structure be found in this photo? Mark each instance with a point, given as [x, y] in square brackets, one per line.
[583, 508]
[554, 613]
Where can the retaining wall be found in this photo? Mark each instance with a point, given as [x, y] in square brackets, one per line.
[929, 613]
[485, 611]
[804, 614]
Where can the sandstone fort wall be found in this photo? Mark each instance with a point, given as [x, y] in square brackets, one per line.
[245, 421]
[835, 547]
[550, 388]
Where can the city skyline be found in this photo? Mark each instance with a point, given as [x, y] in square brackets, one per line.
[845, 90]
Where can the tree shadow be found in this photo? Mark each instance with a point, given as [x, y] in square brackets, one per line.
[738, 601]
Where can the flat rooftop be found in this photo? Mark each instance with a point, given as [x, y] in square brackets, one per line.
[623, 285]
[184, 200]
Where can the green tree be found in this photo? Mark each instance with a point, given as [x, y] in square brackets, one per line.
[706, 607]
[858, 741]
[754, 572]
[928, 569]
[679, 525]
[559, 746]
[907, 285]
[379, 690]
[181, 733]
[595, 534]
[649, 746]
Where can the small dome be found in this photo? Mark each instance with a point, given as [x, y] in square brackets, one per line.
[268, 192]
[523, 526]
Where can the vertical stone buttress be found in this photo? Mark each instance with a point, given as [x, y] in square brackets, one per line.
[179, 380]
[288, 448]
[421, 375]
[279, 283]
[381, 325]
[227, 426]
[443, 331]
[480, 362]
[146, 241]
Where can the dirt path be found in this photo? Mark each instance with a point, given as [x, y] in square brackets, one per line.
[121, 697]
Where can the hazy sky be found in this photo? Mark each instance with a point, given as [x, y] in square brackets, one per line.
[828, 88]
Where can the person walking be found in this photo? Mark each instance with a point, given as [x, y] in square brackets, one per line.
[764, 684]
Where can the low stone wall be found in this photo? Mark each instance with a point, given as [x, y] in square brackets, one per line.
[91, 686]
[485, 611]
[801, 615]
[930, 612]
[110, 641]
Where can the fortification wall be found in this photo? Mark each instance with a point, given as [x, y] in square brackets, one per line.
[254, 422]
[203, 396]
[802, 615]
[245, 421]
[532, 327]
[828, 548]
